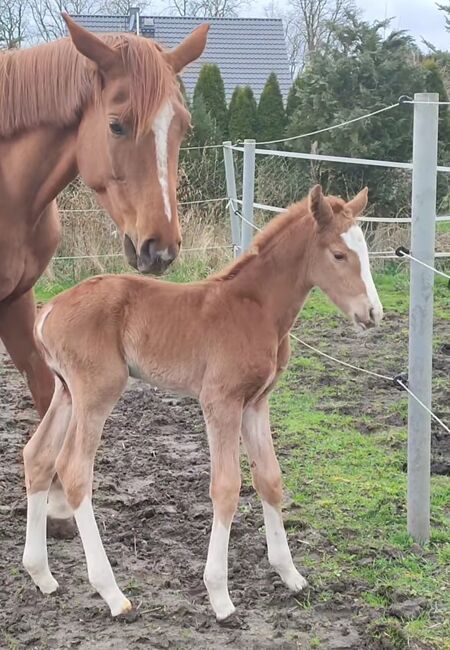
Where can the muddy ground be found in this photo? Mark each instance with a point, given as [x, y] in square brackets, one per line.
[154, 514]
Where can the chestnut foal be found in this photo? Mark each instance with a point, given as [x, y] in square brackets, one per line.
[224, 340]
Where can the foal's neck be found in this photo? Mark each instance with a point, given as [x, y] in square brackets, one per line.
[276, 276]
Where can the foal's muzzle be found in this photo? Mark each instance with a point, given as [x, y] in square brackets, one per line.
[153, 256]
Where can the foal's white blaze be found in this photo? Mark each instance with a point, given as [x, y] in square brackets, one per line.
[100, 573]
[216, 570]
[278, 550]
[355, 240]
[35, 559]
[160, 128]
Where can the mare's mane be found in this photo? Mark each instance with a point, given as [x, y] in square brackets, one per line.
[51, 84]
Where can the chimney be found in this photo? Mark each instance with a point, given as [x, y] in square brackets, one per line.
[134, 23]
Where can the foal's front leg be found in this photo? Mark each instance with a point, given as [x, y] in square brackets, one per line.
[267, 482]
[223, 422]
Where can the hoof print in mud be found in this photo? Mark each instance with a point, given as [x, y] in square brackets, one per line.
[61, 528]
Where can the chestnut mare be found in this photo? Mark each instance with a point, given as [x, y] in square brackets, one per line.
[110, 110]
[224, 340]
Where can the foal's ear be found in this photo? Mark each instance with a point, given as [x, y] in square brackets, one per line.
[358, 203]
[319, 207]
[90, 45]
[188, 50]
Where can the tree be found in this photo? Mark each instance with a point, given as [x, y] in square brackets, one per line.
[293, 101]
[242, 114]
[207, 8]
[446, 10]
[211, 88]
[47, 19]
[13, 23]
[363, 71]
[310, 27]
[271, 115]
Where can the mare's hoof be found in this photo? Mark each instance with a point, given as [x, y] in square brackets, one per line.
[61, 528]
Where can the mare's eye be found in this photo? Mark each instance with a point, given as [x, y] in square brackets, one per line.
[116, 128]
[339, 256]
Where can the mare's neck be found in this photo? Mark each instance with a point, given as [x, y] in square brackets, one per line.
[277, 277]
[37, 164]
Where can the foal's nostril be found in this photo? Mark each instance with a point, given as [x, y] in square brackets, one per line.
[372, 314]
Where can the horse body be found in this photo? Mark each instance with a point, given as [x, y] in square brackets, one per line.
[110, 110]
[224, 340]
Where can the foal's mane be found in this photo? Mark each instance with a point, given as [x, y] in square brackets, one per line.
[51, 84]
[274, 231]
[264, 240]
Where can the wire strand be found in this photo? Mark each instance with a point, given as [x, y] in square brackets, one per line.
[411, 257]
[331, 128]
[339, 361]
[419, 401]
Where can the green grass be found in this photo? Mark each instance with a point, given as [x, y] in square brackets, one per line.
[350, 489]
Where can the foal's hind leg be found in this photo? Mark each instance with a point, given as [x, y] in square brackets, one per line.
[39, 457]
[93, 400]
[267, 481]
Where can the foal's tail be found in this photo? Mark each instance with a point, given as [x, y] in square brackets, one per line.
[44, 347]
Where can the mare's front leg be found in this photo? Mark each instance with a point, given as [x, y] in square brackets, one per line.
[223, 423]
[267, 482]
[16, 331]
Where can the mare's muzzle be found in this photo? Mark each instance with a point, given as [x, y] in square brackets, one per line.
[153, 257]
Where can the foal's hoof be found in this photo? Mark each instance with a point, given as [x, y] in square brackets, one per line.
[128, 615]
[61, 528]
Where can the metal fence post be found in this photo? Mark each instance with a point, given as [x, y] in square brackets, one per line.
[248, 193]
[423, 228]
[232, 196]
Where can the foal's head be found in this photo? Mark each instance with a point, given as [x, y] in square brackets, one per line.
[129, 137]
[340, 259]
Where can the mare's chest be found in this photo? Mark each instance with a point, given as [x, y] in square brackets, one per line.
[25, 249]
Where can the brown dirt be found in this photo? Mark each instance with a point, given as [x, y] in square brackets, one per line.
[154, 515]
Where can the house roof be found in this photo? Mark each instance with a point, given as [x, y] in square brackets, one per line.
[247, 50]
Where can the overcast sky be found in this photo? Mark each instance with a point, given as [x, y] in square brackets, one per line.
[420, 17]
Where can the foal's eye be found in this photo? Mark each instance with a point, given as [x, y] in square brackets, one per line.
[116, 128]
[339, 256]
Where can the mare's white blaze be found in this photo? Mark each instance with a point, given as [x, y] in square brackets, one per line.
[165, 255]
[100, 573]
[278, 550]
[160, 128]
[355, 240]
[35, 559]
[216, 570]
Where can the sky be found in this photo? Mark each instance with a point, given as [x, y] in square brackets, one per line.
[420, 17]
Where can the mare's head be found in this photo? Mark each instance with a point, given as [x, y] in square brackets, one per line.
[129, 137]
[339, 261]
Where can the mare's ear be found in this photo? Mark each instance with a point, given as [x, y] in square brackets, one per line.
[319, 207]
[91, 46]
[188, 50]
[358, 203]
